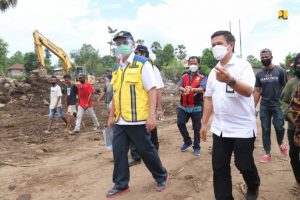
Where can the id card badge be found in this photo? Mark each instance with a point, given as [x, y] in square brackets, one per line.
[230, 92]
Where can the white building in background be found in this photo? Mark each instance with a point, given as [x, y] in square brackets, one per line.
[16, 70]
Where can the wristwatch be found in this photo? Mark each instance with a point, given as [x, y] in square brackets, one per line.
[232, 83]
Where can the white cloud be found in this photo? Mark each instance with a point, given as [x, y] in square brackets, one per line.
[71, 23]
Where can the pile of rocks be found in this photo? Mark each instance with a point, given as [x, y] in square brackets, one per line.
[10, 86]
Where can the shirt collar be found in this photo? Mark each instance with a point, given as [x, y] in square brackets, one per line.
[232, 61]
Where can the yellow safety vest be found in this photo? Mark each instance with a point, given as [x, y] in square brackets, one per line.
[130, 97]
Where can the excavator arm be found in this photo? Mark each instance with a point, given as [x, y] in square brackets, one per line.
[40, 41]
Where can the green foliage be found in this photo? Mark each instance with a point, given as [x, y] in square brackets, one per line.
[140, 41]
[164, 57]
[155, 47]
[5, 4]
[88, 57]
[255, 63]
[208, 59]
[205, 69]
[17, 58]
[30, 61]
[173, 70]
[180, 52]
[3, 56]
[289, 60]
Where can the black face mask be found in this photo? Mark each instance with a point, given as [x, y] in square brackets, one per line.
[82, 81]
[266, 62]
[53, 84]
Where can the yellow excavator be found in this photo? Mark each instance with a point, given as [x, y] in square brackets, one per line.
[39, 42]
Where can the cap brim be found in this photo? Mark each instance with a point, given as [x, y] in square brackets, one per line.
[118, 37]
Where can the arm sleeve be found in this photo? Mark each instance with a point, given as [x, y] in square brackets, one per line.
[203, 83]
[180, 82]
[283, 77]
[148, 76]
[209, 84]
[285, 100]
[159, 81]
[247, 75]
[90, 88]
[257, 81]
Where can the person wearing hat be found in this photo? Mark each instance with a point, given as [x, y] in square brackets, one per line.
[132, 115]
[270, 81]
[107, 91]
[290, 106]
[135, 157]
[85, 92]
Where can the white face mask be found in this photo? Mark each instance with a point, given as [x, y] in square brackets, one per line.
[193, 68]
[219, 51]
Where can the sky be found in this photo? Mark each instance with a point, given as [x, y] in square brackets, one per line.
[71, 23]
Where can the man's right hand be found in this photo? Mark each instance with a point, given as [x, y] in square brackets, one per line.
[110, 122]
[203, 132]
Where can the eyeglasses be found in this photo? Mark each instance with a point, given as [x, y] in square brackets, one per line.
[119, 43]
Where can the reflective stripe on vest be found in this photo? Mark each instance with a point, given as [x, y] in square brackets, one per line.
[130, 97]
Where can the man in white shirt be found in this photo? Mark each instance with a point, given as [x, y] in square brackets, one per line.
[132, 115]
[229, 95]
[135, 157]
[55, 103]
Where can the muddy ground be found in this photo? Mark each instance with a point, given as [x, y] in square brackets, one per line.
[58, 166]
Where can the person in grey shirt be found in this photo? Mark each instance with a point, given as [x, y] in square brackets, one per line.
[107, 92]
[269, 84]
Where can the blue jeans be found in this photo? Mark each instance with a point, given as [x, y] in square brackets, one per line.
[266, 114]
[59, 111]
[182, 119]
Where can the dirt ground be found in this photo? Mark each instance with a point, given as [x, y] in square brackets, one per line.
[64, 167]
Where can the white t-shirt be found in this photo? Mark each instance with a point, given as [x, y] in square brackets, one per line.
[149, 81]
[234, 114]
[159, 81]
[55, 92]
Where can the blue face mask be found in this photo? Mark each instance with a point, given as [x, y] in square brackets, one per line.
[125, 49]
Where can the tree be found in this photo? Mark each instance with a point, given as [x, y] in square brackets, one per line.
[208, 59]
[31, 61]
[86, 56]
[140, 42]
[155, 47]
[165, 56]
[3, 56]
[288, 60]
[255, 63]
[5, 4]
[180, 52]
[111, 32]
[17, 58]
[108, 61]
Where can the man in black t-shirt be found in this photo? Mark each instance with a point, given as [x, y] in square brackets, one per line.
[71, 99]
[270, 82]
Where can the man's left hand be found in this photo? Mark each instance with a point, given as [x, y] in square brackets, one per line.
[150, 124]
[222, 74]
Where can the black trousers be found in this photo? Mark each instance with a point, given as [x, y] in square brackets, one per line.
[294, 155]
[182, 118]
[244, 161]
[123, 135]
[154, 139]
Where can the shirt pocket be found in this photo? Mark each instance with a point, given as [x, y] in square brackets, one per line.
[131, 76]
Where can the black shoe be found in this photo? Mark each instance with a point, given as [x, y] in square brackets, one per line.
[163, 185]
[134, 162]
[116, 192]
[250, 195]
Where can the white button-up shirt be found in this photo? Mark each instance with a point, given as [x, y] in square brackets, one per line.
[234, 114]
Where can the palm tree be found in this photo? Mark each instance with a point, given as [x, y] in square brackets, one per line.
[140, 42]
[155, 47]
[111, 32]
[5, 4]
